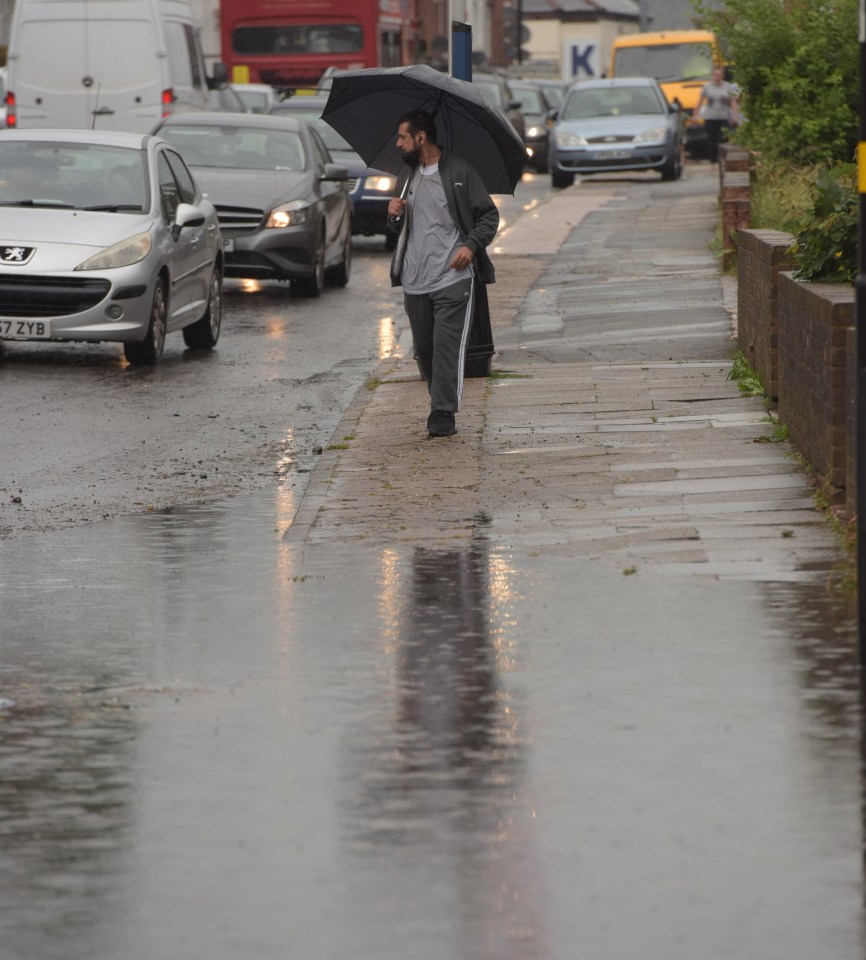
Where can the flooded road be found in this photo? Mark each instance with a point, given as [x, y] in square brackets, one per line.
[223, 744]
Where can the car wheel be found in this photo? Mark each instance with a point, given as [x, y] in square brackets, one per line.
[339, 276]
[146, 353]
[204, 333]
[673, 169]
[560, 180]
[312, 286]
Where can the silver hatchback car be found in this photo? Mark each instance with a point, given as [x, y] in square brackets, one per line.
[105, 236]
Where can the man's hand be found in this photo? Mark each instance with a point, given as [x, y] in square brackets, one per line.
[462, 258]
[396, 207]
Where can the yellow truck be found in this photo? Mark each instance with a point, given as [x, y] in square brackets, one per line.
[681, 60]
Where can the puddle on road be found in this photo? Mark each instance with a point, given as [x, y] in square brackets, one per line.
[222, 742]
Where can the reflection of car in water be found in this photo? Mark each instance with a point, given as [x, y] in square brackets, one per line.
[682, 62]
[282, 202]
[609, 126]
[106, 237]
[369, 190]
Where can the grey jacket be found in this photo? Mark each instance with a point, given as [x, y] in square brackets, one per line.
[473, 212]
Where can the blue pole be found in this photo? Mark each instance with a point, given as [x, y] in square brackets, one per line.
[461, 50]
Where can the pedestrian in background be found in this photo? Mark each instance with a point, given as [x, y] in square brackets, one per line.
[719, 108]
[446, 220]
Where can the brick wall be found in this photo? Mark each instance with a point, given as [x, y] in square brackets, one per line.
[761, 256]
[814, 324]
[734, 192]
[851, 421]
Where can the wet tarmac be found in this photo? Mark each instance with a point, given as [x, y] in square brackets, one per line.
[226, 745]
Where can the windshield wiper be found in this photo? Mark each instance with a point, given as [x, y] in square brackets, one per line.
[37, 202]
[116, 207]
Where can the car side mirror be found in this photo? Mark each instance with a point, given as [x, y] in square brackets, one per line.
[552, 116]
[674, 107]
[333, 171]
[515, 104]
[185, 216]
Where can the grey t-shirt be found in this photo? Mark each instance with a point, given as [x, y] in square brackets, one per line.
[433, 237]
[719, 97]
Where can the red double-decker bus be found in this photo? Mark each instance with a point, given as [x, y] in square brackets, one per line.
[290, 43]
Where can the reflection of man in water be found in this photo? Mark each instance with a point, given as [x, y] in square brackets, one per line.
[440, 777]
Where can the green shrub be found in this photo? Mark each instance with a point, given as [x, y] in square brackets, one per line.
[826, 246]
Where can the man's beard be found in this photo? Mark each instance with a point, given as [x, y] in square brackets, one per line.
[412, 158]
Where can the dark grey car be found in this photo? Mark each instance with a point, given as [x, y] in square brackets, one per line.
[282, 202]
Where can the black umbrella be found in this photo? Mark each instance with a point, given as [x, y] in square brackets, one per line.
[365, 106]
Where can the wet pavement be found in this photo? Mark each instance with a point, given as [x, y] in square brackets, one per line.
[576, 682]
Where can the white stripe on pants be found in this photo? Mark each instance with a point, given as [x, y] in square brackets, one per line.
[440, 324]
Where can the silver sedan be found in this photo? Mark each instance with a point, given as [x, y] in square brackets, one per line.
[105, 236]
[607, 126]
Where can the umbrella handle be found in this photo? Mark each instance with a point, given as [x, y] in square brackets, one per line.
[403, 193]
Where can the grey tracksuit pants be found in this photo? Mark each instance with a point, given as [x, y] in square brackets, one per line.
[440, 324]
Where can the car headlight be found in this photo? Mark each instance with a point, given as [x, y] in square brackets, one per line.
[290, 214]
[653, 134]
[121, 254]
[564, 139]
[381, 184]
[534, 131]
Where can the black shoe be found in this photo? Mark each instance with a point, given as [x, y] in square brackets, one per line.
[440, 423]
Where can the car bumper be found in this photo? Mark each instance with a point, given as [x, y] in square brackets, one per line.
[71, 305]
[536, 151]
[612, 160]
[285, 254]
[369, 208]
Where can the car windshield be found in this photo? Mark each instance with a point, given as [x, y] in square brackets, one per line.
[81, 176]
[332, 139]
[554, 95]
[531, 99]
[491, 92]
[236, 148]
[667, 61]
[609, 102]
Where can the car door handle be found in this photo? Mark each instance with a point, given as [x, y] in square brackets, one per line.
[102, 112]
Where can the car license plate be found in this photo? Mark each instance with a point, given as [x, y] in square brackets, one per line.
[613, 154]
[229, 244]
[25, 329]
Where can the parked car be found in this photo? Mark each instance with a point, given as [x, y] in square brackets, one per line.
[535, 108]
[105, 236]
[282, 202]
[225, 99]
[257, 97]
[616, 125]
[497, 92]
[369, 190]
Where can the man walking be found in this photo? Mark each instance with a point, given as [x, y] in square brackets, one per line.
[446, 219]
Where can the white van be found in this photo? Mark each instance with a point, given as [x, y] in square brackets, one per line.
[103, 64]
